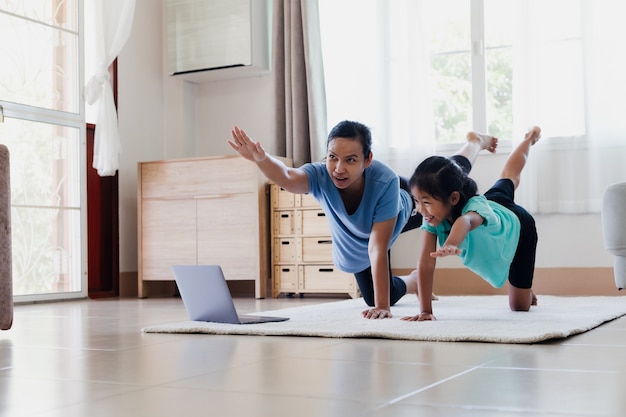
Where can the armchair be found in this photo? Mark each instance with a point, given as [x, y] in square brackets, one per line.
[614, 228]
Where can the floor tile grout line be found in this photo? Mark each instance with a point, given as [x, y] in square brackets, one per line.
[427, 387]
[573, 370]
[594, 345]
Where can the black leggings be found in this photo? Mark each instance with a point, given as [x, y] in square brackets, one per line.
[397, 286]
[522, 267]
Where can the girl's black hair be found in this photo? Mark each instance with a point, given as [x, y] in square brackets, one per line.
[440, 177]
[352, 130]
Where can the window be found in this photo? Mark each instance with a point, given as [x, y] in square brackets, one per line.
[474, 56]
[40, 90]
[40, 54]
[422, 73]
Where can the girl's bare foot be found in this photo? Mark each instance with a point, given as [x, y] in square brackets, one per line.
[487, 142]
[411, 283]
[533, 134]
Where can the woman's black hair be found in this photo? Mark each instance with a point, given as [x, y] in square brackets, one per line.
[352, 130]
[440, 177]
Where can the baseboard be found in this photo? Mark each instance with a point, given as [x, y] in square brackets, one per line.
[448, 281]
[128, 284]
[160, 289]
[549, 281]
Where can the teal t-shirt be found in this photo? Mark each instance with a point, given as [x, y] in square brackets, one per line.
[382, 200]
[489, 249]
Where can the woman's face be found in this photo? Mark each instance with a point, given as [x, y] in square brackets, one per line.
[433, 211]
[346, 163]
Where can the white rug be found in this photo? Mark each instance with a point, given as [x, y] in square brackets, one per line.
[459, 318]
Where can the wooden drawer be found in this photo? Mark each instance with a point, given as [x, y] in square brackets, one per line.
[326, 278]
[284, 222]
[285, 278]
[281, 198]
[285, 250]
[313, 222]
[316, 249]
[303, 248]
[197, 177]
[307, 200]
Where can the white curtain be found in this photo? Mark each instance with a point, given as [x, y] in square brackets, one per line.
[112, 22]
[408, 132]
[575, 91]
[568, 77]
[373, 75]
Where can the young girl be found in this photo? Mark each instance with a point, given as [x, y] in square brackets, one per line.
[494, 237]
[367, 205]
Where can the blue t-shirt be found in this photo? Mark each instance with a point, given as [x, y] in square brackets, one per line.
[489, 249]
[382, 200]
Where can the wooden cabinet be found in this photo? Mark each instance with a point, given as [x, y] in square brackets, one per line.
[211, 210]
[302, 248]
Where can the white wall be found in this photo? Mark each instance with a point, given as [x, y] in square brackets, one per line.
[162, 117]
[140, 116]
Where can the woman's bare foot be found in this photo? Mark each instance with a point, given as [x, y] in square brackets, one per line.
[533, 134]
[411, 283]
[534, 300]
[487, 142]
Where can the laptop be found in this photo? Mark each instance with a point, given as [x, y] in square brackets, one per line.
[206, 296]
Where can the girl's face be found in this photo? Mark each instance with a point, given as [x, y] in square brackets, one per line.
[434, 211]
[346, 163]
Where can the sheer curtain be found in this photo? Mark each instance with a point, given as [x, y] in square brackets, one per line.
[567, 65]
[574, 90]
[388, 83]
[112, 21]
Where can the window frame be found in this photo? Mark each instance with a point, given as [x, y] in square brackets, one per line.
[72, 120]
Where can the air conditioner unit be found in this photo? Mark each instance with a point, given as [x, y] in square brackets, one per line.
[218, 39]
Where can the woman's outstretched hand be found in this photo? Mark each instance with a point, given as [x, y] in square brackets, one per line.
[246, 147]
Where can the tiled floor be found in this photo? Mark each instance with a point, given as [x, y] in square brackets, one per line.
[90, 359]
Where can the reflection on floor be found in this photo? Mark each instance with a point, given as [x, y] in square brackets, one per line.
[89, 358]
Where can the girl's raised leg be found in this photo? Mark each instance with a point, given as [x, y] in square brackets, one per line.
[517, 160]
